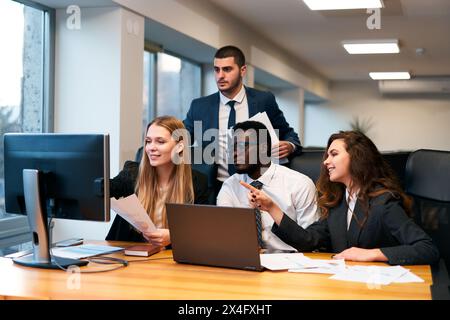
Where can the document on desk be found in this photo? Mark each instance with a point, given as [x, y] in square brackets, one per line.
[371, 274]
[321, 266]
[297, 262]
[84, 251]
[408, 278]
[131, 209]
[282, 261]
[264, 119]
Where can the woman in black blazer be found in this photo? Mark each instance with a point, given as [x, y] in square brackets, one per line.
[163, 175]
[363, 209]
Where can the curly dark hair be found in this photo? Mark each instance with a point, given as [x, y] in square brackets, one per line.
[369, 172]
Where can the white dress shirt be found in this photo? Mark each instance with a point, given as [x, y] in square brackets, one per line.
[292, 191]
[242, 114]
[351, 202]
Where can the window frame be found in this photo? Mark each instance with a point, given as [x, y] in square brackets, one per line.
[14, 229]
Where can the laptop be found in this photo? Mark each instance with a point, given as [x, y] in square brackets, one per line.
[214, 236]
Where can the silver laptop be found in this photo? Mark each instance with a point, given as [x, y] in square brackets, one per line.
[214, 236]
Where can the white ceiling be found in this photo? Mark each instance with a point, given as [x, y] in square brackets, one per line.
[314, 37]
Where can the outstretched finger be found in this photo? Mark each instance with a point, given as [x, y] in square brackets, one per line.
[249, 187]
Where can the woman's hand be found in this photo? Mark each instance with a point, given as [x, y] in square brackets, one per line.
[361, 255]
[258, 199]
[159, 238]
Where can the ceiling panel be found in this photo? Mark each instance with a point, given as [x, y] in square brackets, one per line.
[315, 36]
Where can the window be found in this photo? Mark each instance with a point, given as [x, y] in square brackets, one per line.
[170, 84]
[25, 80]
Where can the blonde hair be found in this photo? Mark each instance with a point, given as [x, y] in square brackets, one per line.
[180, 189]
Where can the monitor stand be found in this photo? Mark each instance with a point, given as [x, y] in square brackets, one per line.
[37, 218]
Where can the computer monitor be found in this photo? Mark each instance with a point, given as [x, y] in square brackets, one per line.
[55, 175]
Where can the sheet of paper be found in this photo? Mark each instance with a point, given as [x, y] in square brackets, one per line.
[84, 251]
[281, 261]
[320, 266]
[377, 275]
[264, 119]
[131, 209]
[409, 277]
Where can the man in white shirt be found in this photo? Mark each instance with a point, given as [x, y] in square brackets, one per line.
[292, 191]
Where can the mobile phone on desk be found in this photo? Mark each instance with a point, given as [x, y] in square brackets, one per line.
[69, 242]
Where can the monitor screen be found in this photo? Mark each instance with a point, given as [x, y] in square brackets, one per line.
[75, 171]
[55, 175]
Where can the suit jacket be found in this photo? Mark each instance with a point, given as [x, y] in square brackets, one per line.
[387, 228]
[123, 185]
[206, 110]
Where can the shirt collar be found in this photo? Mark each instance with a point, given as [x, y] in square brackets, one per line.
[239, 97]
[266, 177]
[353, 197]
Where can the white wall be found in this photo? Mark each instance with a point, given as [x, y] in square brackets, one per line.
[204, 22]
[290, 102]
[98, 88]
[398, 123]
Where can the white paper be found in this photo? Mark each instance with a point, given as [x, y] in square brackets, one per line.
[409, 277]
[131, 209]
[281, 261]
[84, 251]
[320, 266]
[371, 274]
[264, 119]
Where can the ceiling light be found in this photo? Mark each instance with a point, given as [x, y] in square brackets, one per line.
[343, 4]
[403, 75]
[371, 46]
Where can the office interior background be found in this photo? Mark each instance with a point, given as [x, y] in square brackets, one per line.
[89, 66]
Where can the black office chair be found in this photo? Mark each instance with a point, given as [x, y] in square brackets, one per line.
[427, 180]
[138, 155]
[308, 162]
[397, 161]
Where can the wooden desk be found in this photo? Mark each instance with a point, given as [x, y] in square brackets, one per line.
[166, 279]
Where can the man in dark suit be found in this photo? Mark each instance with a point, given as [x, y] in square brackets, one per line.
[210, 118]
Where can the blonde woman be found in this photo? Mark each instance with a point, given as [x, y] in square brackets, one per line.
[163, 175]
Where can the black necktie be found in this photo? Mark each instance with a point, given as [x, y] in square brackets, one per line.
[231, 123]
[258, 185]
[232, 117]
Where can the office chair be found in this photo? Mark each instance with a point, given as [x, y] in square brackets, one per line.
[138, 155]
[397, 161]
[308, 162]
[427, 180]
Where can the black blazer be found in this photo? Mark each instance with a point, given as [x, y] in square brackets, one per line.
[123, 185]
[387, 228]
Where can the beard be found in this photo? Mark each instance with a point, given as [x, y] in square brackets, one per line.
[234, 84]
[249, 169]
